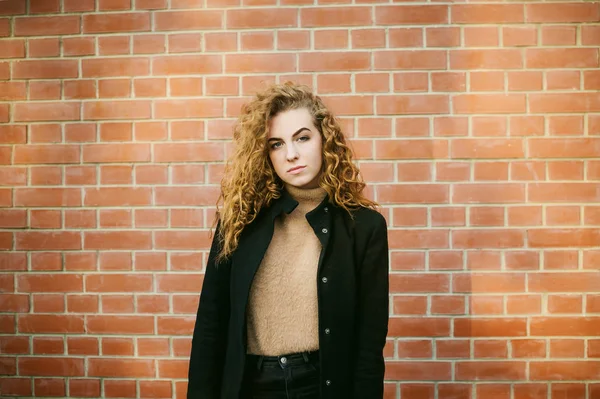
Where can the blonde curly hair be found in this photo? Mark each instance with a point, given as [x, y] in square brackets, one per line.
[250, 182]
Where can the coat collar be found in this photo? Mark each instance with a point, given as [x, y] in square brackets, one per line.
[286, 203]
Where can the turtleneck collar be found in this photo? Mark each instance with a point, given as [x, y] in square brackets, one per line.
[308, 198]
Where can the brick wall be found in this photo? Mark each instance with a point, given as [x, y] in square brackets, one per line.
[477, 126]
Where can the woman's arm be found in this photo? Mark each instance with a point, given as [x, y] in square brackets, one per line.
[210, 331]
[372, 315]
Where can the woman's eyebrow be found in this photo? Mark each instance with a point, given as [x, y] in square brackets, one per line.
[297, 132]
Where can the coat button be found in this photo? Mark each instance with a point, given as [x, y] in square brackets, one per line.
[324, 231]
[284, 360]
[324, 279]
[326, 209]
[328, 382]
[327, 331]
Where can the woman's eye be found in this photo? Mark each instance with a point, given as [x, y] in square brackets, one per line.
[276, 145]
[303, 138]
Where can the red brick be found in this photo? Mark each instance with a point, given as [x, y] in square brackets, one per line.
[411, 149]
[120, 388]
[14, 7]
[562, 12]
[487, 148]
[262, 18]
[188, 20]
[435, 283]
[117, 240]
[47, 69]
[11, 91]
[175, 325]
[44, 7]
[590, 35]
[114, 5]
[84, 304]
[561, 58]
[113, 45]
[486, 59]
[117, 346]
[563, 192]
[45, 90]
[564, 102]
[489, 283]
[122, 22]
[4, 72]
[563, 237]
[368, 38]
[78, 5]
[262, 63]
[185, 42]
[411, 81]
[12, 48]
[98, 110]
[413, 104]
[481, 36]
[187, 196]
[413, 15]
[490, 327]
[155, 389]
[516, 36]
[414, 59]
[100, 324]
[79, 46]
[220, 41]
[418, 370]
[372, 83]
[89, 388]
[122, 152]
[189, 108]
[48, 345]
[38, 48]
[187, 64]
[47, 283]
[134, 368]
[15, 345]
[103, 67]
[47, 26]
[150, 4]
[335, 16]
[50, 324]
[15, 303]
[13, 134]
[118, 283]
[487, 13]
[443, 37]
[405, 37]
[293, 40]
[489, 103]
[46, 154]
[257, 41]
[559, 35]
[4, 27]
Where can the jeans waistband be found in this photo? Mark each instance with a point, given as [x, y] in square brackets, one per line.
[283, 360]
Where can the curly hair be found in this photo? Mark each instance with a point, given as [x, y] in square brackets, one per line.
[250, 182]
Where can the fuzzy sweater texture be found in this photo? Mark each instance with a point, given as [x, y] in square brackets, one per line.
[282, 311]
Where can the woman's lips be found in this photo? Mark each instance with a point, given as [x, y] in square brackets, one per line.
[296, 170]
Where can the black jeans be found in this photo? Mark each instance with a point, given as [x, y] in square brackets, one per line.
[294, 376]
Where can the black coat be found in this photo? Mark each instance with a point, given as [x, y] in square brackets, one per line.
[352, 289]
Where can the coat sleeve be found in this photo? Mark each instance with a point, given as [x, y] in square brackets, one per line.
[210, 330]
[372, 315]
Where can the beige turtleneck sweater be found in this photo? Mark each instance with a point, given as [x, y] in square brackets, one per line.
[282, 310]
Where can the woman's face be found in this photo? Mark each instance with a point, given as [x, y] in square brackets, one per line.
[295, 148]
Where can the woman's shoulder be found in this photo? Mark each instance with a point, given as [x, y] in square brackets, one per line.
[368, 218]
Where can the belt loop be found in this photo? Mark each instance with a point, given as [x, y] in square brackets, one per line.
[305, 356]
[259, 362]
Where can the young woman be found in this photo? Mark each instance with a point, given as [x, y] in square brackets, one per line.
[294, 303]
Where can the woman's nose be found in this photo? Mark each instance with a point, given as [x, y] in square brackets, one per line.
[292, 153]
